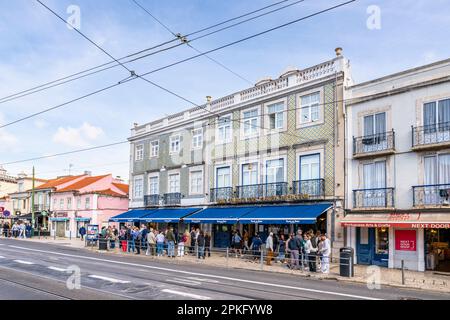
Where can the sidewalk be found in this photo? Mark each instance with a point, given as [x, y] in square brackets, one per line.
[427, 280]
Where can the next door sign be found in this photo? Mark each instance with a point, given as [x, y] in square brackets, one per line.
[405, 240]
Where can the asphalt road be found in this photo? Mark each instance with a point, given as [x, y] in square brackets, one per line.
[31, 270]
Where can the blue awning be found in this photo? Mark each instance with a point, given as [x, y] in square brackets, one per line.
[292, 214]
[130, 216]
[169, 215]
[225, 215]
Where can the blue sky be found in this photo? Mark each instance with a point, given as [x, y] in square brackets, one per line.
[36, 47]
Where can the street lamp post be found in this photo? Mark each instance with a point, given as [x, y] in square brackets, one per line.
[32, 206]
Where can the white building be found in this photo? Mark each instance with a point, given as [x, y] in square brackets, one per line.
[398, 169]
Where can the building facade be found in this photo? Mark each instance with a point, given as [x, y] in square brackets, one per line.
[280, 142]
[398, 169]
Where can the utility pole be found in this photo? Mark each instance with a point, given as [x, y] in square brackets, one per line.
[32, 206]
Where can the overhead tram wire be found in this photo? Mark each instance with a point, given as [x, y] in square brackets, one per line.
[80, 75]
[173, 64]
[178, 36]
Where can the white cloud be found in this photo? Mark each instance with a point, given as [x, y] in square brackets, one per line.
[7, 139]
[78, 137]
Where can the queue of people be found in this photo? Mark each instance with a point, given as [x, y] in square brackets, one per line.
[17, 230]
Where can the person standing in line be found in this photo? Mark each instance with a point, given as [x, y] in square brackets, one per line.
[311, 254]
[82, 232]
[193, 240]
[237, 243]
[170, 243]
[130, 239]
[138, 239]
[325, 251]
[281, 249]
[144, 232]
[201, 245]
[151, 243]
[269, 249]
[181, 241]
[246, 237]
[294, 247]
[256, 246]
[160, 239]
[207, 244]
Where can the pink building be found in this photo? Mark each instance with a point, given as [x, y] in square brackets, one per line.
[90, 200]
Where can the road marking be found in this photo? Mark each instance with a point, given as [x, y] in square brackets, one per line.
[204, 280]
[108, 279]
[2, 257]
[202, 274]
[57, 269]
[180, 281]
[24, 262]
[185, 294]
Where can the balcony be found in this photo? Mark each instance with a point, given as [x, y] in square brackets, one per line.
[221, 194]
[172, 198]
[312, 188]
[432, 195]
[433, 136]
[151, 200]
[41, 207]
[376, 144]
[373, 198]
[262, 190]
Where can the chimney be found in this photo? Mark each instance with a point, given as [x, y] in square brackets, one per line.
[208, 99]
[338, 51]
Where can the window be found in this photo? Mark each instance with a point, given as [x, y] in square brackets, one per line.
[174, 183]
[54, 204]
[21, 188]
[436, 114]
[437, 169]
[87, 203]
[174, 144]
[249, 174]
[197, 138]
[223, 177]
[375, 175]
[138, 185]
[382, 240]
[139, 152]
[79, 203]
[310, 108]
[196, 182]
[310, 167]
[275, 171]
[154, 148]
[61, 204]
[153, 185]
[39, 199]
[374, 128]
[250, 123]
[69, 203]
[276, 116]
[223, 134]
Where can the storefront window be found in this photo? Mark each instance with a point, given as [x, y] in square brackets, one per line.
[382, 241]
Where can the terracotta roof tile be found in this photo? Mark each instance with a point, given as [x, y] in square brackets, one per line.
[82, 183]
[122, 187]
[109, 192]
[53, 183]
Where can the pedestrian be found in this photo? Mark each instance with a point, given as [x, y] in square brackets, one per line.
[138, 239]
[144, 232]
[28, 230]
[208, 244]
[160, 239]
[325, 251]
[237, 243]
[311, 254]
[22, 230]
[281, 249]
[256, 246]
[246, 237]
[170, 237]
[269, 249]
[294, 248]
[181, 241]
[193, 240]
[131, 239]
[201, 245]
[151, 243]
[112, 238]
[82, 232]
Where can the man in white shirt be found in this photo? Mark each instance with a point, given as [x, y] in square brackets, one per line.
[269, 248]
[325, 251]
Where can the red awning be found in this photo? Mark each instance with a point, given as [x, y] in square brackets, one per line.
[408, 220]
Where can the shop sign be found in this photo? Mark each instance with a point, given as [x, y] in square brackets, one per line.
[431, 225]
[92, 232]
[405, 240]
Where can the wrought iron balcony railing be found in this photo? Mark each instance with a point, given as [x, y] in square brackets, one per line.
[433, 134]
[431, 195]
[262, 190]
[172, 198]
[41, 207]
[151, 200]
[313, 188]
[373, 198]
[375, 143]
[221, 194]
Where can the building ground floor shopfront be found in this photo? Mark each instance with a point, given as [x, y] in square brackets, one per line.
[68, 224]
[418, 241]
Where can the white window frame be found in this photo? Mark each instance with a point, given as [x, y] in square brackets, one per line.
[141, 194]
[139, 152]
[69, 203]
[321, 108]
[308, 152]
[197, 138]
[254, 128]
[224, 125]
[61, 204]
[78, 203]
[169, 175]
[282, 112]
[258, 171]
[173, 139]
[223, 165]
[87, 203]
[150, 177]
[280, 157]
[191, 190]
[154, 149]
